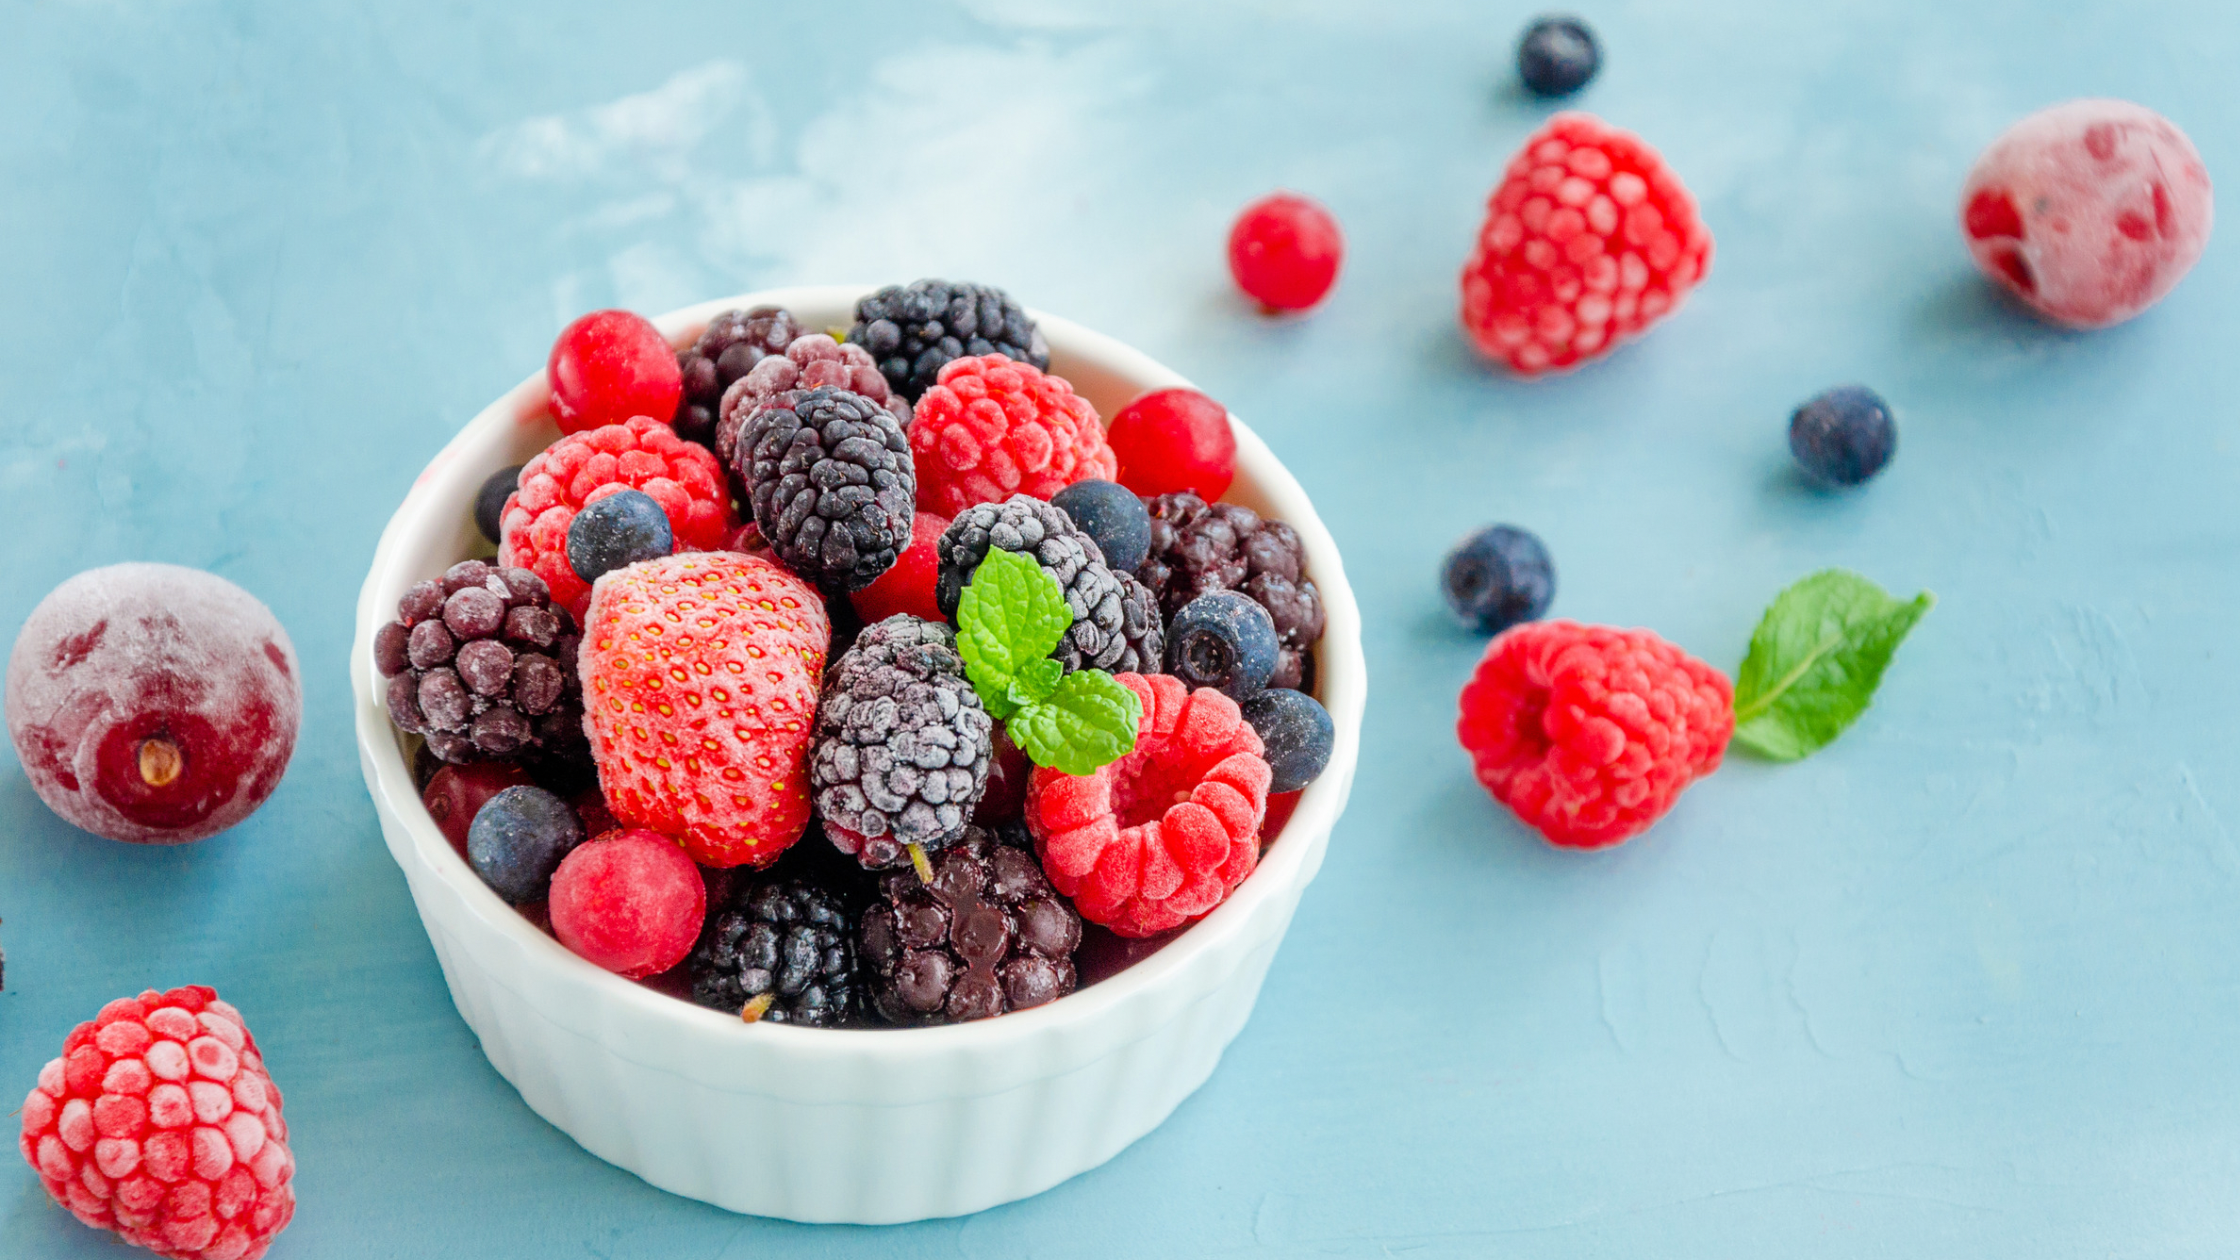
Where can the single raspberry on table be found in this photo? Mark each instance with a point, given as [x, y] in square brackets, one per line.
[482, 665]
[810, 361]
[1163, 835]
[159, 1122]
[700, 675]
[993, 428]
[1590, 733]
[902, 743]
[642, 454]
[1199, 547]
[1589, 239]
[732, 344]
[985, 936]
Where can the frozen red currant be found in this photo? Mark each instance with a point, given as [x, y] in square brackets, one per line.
[1172, 440]
[610, 366]
[908, 586]
[630, 901]
[1284, 252]
[153, 704]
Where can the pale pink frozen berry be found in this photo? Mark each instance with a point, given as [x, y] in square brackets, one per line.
[2088, 211]
[630, 901]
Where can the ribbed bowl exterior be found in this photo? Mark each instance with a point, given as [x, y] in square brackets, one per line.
[825, 1125]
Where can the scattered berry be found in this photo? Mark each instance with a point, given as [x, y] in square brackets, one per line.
[902, 744]
[916, 330]
[2088, 211]
[700, 694]
[1557, 56]
[480, 663]
[1284, 252]
[908, 586]
[787, 941]
[609, 366]
[1223, 640]
[577, 471]
[1588, 733]
[993, 428]
[1116, 624]
[629, 901]
[1589, 239]
[153, 704]
[1198, 547]
[1844, 436]
[985, 936]
[1161, 836]
[828, 476]
[517, 840]
[490, 502]
[1173, 440]
[1113, 518]
[457, 793]
[159, 1123]
[733, 343]
[1006, 796]
[1497, 577]
[1296, 734]
[622, 528]
[812, 361]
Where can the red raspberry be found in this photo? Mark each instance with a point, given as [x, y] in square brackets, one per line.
[1589, 239]
[159, 1122]
[1161, 836]
[991, 428]
[1284, 252]
[630, 901]
[1590, 733]
[1174, 439]
[908, 586]
[700, 677]
[579, 470]
[609, 366]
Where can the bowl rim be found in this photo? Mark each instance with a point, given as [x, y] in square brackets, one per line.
[1342, 677]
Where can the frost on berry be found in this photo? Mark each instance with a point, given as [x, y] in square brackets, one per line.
[992, 428]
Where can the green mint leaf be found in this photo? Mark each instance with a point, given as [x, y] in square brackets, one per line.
[1088, 722]
[1010, 615]
[1815, 661]
[1034, 682]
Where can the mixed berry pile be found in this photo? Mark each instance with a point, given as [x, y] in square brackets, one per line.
[867, 681]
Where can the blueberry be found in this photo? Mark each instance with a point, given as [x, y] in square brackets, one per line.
[517, 840]
[1114, 516]
[1498, 577]
[1844, 436]
[1223, 640]
[1298, 733]
[1557, 56]
[623, 528]
[490, 500]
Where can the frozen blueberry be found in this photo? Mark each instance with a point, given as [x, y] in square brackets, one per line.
[1557, 56]
[1112, 514]
[1223, 640]
[517, 840]
[1498, 577]
[1844, 436]
[490, 501]
[1298, 733]
[623, 528]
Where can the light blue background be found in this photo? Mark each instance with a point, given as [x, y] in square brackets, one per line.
[1963, 985]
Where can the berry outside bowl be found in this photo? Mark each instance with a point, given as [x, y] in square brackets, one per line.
[868, 1127]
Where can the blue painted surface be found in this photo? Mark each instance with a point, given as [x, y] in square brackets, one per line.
[1962, 985]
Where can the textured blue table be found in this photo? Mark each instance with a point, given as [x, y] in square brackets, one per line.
[1962, 985]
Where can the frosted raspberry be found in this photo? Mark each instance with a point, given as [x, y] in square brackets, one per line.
[1589, 239]
[1589, 733]
[992, 428]
[641, 454]
[2089, 211]
[1163, 835]
[700, 678]
[158, 1122]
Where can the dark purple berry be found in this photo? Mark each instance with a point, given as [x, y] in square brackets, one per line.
[1557, 56]
[621, 529]
[1844, 436]
[1297, 733]
[517, 840]
[1224, 640]
[1497, 578]
[490, 500]
[1113, 516]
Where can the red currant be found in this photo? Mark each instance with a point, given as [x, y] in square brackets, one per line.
[908, 586]
[1284, 252]
[1175, 439]
[609, 366]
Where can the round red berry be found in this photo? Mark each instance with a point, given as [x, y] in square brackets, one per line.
[1008, 772]
[1284, 252]
[990, 428]
[457, 793]
[630, 901]
[1589, 733]
[908, 586]
[609, 366]
[1173, 440]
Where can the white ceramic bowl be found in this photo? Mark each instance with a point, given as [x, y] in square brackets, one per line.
[811, 1124]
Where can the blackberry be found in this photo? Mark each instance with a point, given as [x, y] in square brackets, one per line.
[1557, 56]
[813, 360]
[914, 330]
[829, 477]
[985, 936]
[787, 945]
[1198, 547]
[902, 743]
[734, 342]
[1116, 622]
[1844, 436]
[482, 664]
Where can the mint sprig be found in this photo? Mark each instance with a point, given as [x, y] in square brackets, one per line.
[1815, 661]
[1009, 618]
